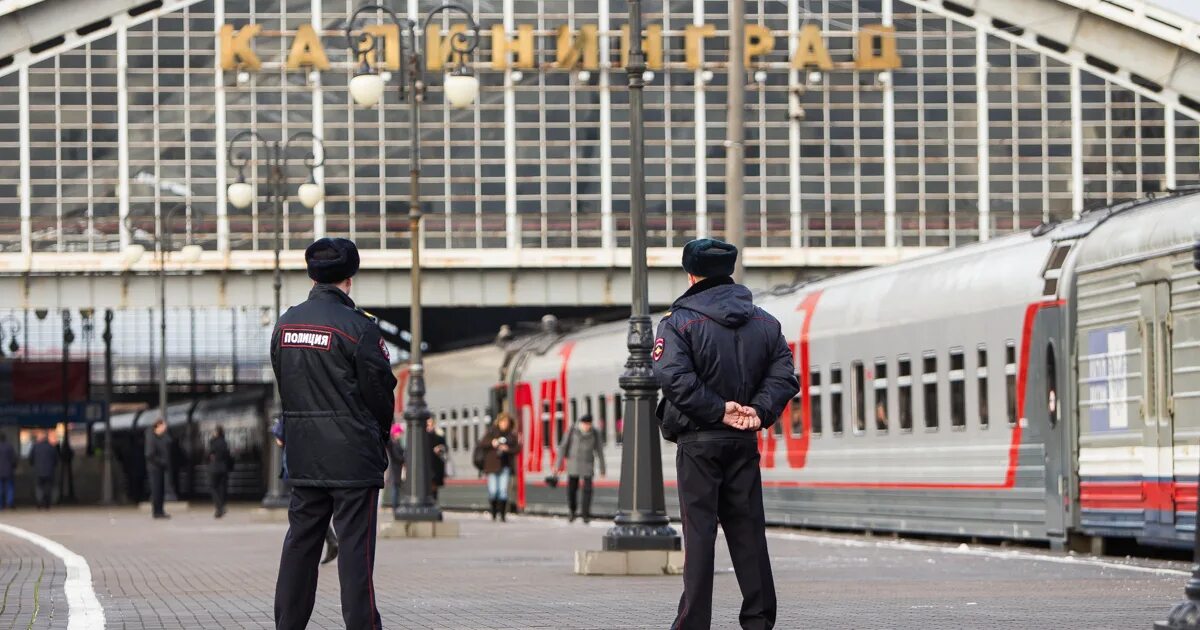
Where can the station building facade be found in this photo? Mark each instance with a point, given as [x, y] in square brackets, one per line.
[869, 124]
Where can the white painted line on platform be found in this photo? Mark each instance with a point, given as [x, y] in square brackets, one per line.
[901, 545]
[84, 610]
[979, 552]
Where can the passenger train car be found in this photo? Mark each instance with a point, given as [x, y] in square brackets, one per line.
[190, 424]
[1040, 386]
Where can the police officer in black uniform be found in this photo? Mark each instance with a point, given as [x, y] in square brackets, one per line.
[726, 372]
[337, 392]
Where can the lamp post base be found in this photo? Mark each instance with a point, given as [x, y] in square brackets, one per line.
[1185, 616]
[419, 513]
[641, 538]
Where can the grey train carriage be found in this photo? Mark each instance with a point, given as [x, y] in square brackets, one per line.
[1037, 386]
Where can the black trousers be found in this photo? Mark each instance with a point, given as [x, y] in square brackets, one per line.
[219, 484]
[719, 481]
[354, 514]
[573, 494]
[158, 484]
[43, 491]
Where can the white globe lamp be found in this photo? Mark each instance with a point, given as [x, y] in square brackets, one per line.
[241, 195]
[310, 194]
[131, 254]
[461, 89]
[190, 253]
[366, 89]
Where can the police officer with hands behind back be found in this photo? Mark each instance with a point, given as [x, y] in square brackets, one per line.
[726, 372]
[337, 393]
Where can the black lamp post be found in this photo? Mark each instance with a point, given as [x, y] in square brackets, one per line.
[461, 89]
[641, 522]
[241, 196]
[107, 475]
[1186, 614]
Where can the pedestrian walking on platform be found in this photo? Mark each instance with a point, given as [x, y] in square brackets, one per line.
[43, 457]
[726, 372]
[581, 449]
[397, 458]
[337, 393]
[220, 464]
[8, 473]
[496, 457]
[437, 457]
[158, 460]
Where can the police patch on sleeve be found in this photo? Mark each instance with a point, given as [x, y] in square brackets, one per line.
[659, 346]
[307, 338]
[384, 350]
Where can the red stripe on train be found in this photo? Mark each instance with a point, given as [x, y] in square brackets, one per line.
[1166, 496]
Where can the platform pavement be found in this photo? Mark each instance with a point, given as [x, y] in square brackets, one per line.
[197, 572]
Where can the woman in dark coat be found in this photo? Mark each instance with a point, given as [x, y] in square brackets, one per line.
[496, 457]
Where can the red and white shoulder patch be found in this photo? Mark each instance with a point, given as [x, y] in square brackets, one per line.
[384, 350]
[660, 345]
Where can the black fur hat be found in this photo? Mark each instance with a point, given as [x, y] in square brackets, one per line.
[331, 260]
[709, 258]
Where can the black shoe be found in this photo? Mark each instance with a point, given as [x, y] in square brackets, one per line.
[331, 554]
[164, 515]
[495, 509]
[587, 519]
[503, 511]
[571, 518]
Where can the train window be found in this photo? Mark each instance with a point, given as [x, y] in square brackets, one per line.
[574, 412]
[545, 424]
[560, 421]
[904, 392]
[587, 407]
[881, 398]
[1010, 380]
[958, 389]
[835, 399]
[929, 378]
[859, 401]
[814, 399]
[452, 432]
[796, 417]
[618, 419]
[602, 421]
[981, 379]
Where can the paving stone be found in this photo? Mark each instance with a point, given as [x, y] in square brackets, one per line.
[196, 572]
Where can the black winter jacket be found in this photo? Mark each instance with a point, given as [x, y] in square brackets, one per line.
[337, 391]
[715, 346]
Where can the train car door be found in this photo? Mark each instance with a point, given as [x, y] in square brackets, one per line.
[1158, 440]
[1044, 401]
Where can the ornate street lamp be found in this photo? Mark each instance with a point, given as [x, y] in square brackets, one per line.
[132, 253]
[241, 196]
[641, 522]
[461, 90]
